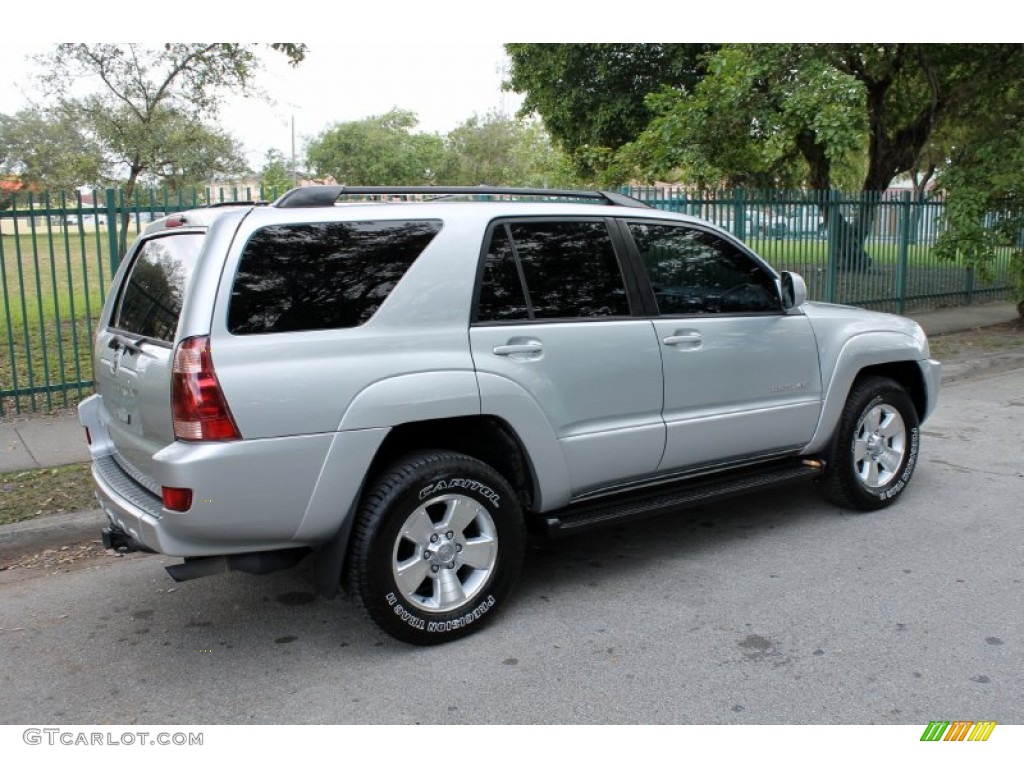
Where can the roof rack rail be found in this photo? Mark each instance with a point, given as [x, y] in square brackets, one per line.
[226, 203]
[318, 196]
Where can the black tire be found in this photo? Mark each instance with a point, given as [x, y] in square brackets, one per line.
[875, 450]
[453, 526]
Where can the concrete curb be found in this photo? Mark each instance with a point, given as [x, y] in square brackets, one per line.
[49, 532]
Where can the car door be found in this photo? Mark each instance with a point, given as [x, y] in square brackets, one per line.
[742, 378]
[553, 316]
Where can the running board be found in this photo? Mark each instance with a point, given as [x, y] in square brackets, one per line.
[691, 493]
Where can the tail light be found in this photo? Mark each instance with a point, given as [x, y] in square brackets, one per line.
[177, 499]
[198, 407]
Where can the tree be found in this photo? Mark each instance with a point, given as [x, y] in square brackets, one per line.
[277, 174]
[141, 91]
[983, 182]
[503, 151]
[591, 96]
[376, 150]
[837, 114]
[184, 152]
[49, 150]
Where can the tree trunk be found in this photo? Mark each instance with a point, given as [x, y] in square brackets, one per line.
[126, 214]
[850, 233]
[846, 236]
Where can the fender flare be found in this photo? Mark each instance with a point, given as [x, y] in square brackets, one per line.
[860, 352]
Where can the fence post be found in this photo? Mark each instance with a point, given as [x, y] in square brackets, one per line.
[115, 257]
[906, 224]
[833, 245]
[739, 215]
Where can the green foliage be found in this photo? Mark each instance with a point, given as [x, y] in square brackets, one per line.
[831, 116]
[376, 150]
[48, 150]
[176, 150]
[984, 186]
[276, 175]
[503, 151]
[591, 96]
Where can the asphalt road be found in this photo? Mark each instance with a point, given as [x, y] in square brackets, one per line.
[773, 609]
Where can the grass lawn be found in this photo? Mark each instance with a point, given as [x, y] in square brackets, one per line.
[32, 493]
[52, 287]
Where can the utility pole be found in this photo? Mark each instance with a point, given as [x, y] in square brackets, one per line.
[295, 170]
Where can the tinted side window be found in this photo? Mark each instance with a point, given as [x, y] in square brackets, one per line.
[570, 269]
[307, 277]
[697, 272]
[151, 300]
[501, 290]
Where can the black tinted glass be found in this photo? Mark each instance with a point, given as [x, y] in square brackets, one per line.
[697, 272]
[151, 300]
[305, 277]
[570, 269]
[501, 290]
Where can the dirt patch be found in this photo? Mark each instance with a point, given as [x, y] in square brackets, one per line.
[980, 351]
[48, 562]
[964, 346]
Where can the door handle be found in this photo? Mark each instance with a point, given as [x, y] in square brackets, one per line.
[525, 348]
[690, 339]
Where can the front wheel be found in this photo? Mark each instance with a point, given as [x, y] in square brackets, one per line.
[437, 547]
[875, 450]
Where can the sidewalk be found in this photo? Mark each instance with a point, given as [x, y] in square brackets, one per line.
[37, 441]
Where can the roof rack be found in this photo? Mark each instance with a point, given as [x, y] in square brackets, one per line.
[226, 203]
[319, 196]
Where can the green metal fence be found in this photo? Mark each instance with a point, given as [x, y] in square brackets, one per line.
[809, 232]
[58, 253]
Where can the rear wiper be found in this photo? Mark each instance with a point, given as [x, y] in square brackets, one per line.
[117, 340]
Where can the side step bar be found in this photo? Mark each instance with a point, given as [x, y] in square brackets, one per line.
[690, 493]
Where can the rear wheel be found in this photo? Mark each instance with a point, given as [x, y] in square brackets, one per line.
[875, 449]
[437, 548]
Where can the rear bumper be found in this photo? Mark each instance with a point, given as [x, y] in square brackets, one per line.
[248, 495]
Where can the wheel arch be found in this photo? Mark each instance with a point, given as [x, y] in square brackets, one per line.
[872, 354]
[487, 438]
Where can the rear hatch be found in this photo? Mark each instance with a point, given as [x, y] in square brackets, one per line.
[134, 352]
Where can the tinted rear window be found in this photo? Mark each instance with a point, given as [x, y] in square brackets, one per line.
[151, 300]
[307, 277]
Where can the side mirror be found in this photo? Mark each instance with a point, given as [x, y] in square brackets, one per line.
[794, 291]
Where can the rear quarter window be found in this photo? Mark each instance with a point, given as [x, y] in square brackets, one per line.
[307, 277]
[150, 302]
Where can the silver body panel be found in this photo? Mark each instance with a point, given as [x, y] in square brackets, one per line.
[595, 404]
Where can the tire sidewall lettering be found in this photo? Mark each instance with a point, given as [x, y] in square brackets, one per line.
[460, 484]
[908, 469]
[410, 616]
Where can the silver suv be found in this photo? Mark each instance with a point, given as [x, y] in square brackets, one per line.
[405, 383]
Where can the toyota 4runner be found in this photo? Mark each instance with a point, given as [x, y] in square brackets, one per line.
[406, 383]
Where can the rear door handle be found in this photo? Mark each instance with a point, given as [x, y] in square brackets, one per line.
[531, 348]
[691, 339]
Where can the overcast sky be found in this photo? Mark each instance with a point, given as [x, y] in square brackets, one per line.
[443, 84]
